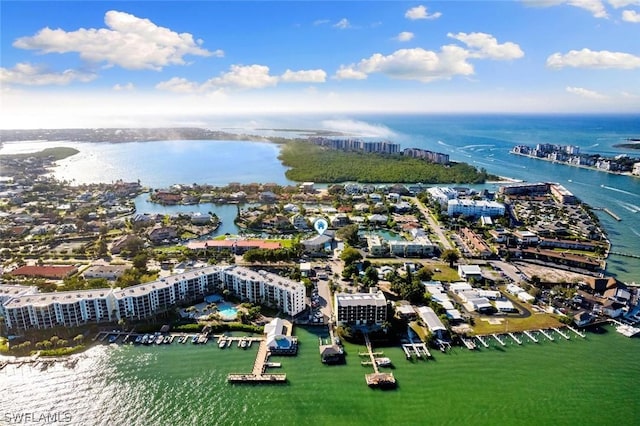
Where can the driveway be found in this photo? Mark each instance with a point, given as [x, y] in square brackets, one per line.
[444, 242]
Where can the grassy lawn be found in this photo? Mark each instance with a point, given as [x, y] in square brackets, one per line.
[446, 273]
[534, 322]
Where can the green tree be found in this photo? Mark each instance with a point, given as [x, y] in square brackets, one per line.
[424, 274]
[350, 255]
[349, 234]
[450, 256]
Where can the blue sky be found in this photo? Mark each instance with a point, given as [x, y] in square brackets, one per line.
[140, 62]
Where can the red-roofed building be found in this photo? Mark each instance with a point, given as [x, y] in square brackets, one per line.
[45, 271]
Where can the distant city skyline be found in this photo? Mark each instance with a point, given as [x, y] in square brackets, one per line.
[146, 63]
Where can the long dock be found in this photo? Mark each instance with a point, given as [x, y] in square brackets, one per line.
[417, 349]
[557, 330]
[258, 374]
[530, 336]
[377, 379]
[481, 340]
[576, 331]
[547, 335]
[514, 337]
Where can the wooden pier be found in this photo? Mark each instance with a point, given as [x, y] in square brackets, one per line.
[557, 330]
[258, 374]
[469, 343]
[377, 379]
[482, 342]
[514, 337]
[576, 331]
[495, 336]
[547, 335]
[530, 336]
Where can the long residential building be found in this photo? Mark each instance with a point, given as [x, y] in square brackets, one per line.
[476, 208]
[360, 308]
[24, 308]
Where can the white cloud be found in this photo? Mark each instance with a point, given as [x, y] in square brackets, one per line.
[179, 85]
[623, 3]
[31, 75]
[596, 7]
[342, 24]
[426, 65]
[320, 22]
[585, 93]
[304, 76]
[420, 12]
[350, 73]
[419, 64]
[587, 58]
[128, 41]
[631, 16]
[486, 46]
[124, 87]
[404, 36]
[244, 77]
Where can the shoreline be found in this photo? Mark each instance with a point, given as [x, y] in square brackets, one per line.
[564, 163]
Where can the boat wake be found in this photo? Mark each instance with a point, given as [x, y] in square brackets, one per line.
[610, 188]
[630, 207]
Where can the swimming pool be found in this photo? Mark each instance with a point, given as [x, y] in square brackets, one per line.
[227, 312]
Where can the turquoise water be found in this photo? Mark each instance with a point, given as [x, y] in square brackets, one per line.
[227, 311]
[590, 381]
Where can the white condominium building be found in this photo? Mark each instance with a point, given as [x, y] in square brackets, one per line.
[360, 308]
[23, 307]
[68, 309]
[475, 208]
[265, 288]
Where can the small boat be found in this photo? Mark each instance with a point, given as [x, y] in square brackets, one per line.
[180, 339]
[194, 339]
[185, 338]
[222, 344]
[113, 338]
[243, 344]
[145, 339]
[203, 339]
[159, 340]
[166, 340]
[383, 362]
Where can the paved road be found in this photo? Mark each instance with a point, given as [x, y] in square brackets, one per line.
[325, 300]
[444, 242]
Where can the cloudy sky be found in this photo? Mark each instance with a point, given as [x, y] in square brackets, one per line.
[76, 64]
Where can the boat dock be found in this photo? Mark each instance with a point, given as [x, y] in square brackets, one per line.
[612, 214]
[469, 343]
[530, 336]
[495, 336]
[514, 337]
[576, 331]
[260, 365]
[377, 379]
[417, 349]
[482, 342]
[557, 330]
[547, 335]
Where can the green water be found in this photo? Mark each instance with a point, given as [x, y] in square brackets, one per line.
[592, 381]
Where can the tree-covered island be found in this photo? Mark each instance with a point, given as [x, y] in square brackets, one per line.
[310, 162]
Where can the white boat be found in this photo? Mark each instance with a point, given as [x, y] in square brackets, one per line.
[243, 344]
[383, 362]
[222, 344]
[159, 340]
